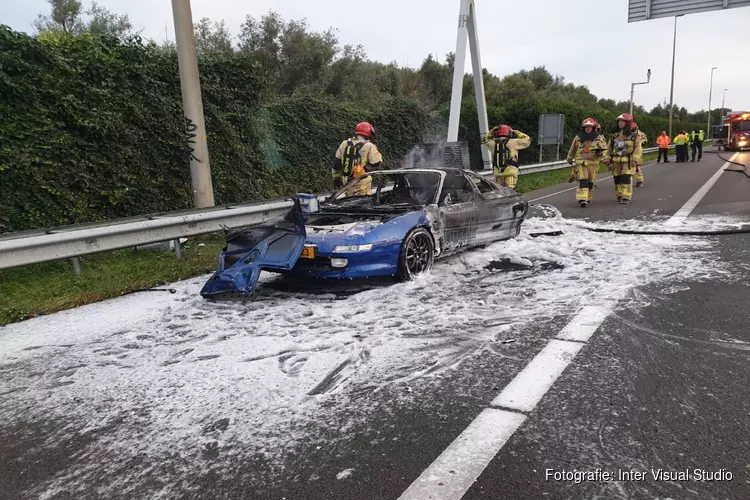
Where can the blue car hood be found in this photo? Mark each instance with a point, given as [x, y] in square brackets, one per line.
[274, 247]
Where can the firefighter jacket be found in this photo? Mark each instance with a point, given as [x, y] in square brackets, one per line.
[353, 156]
[624, 148]
[505, 154]
[587, 152]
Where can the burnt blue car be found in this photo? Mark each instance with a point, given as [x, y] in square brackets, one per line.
[387, 223]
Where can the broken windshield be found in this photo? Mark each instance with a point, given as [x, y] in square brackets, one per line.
[382, 190]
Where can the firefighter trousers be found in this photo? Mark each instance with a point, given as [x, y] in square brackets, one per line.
[622, 173]
[508, 177]
[585, 173]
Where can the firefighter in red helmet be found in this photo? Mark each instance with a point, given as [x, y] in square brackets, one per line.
[624, 152]
[355, 156]
[584, 155]
[504, 144]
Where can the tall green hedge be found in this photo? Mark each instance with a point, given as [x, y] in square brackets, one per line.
[93, 129]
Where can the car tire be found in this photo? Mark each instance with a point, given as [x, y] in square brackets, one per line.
[417, 254]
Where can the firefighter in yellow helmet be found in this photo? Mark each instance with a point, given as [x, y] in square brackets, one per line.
[624, 152]
[354, 156]
[504, 144]
[644, 140]
[584, 155]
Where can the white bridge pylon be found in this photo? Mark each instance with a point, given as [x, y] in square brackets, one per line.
[467, 30]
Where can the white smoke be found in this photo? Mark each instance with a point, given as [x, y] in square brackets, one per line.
[433, 152]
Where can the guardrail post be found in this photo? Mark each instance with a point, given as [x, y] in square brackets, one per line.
[177, 248]
[76, 265]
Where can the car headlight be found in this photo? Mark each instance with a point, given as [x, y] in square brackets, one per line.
[352, 248]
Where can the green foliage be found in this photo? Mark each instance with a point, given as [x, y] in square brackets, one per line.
[96, 130]
[66, 16]
[308, 127]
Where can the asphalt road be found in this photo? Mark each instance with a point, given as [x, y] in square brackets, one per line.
[657, 383]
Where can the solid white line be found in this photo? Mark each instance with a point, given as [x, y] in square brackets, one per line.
[529, 387]
[456, 469]
[585, 323]
[573, 189]
[688, 207]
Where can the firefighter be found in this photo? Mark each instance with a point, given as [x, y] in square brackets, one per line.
[504, 144]
[696, 143]
[624, 152]
[663, 141]
[644, 140]
[354, 156]
[584, 155]
[680, 146]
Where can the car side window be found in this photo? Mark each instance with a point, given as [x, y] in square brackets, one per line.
[458, 189]
[482, 185]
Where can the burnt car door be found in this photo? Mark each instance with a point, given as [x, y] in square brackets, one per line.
[459, 212]
[501, 210]
[270, 247]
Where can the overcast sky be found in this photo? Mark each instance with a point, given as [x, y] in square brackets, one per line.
[589, 42]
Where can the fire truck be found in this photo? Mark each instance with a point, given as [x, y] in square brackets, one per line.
[734, 133]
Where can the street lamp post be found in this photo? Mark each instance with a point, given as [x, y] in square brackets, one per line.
[710, 89]
[671, 89]
[632, 89]
[723, 98]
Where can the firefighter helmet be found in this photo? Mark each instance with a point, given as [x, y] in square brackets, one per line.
[502, 131]
[633, 125]
[589, 122]
[626, 117]
[364, 129]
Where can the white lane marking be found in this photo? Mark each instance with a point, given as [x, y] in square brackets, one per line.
[529, 387]
[688, 207]
[585, 323]
[456, 469]
[573, 189]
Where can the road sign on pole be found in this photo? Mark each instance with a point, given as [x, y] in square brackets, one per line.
[643, 10]
[551, 131]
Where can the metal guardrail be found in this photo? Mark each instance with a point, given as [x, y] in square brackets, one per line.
[44, 245]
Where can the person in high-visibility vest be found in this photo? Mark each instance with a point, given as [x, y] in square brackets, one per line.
[624, 152]
[663, 141]
[584, 155]
[696, 143]
[644, 139]
[680, 146]
[504, 144]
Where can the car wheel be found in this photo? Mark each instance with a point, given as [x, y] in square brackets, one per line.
[417, 254]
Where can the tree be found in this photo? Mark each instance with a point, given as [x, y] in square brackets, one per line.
[288, 53]
[66, 17]
[105, 22]
[212, 37]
